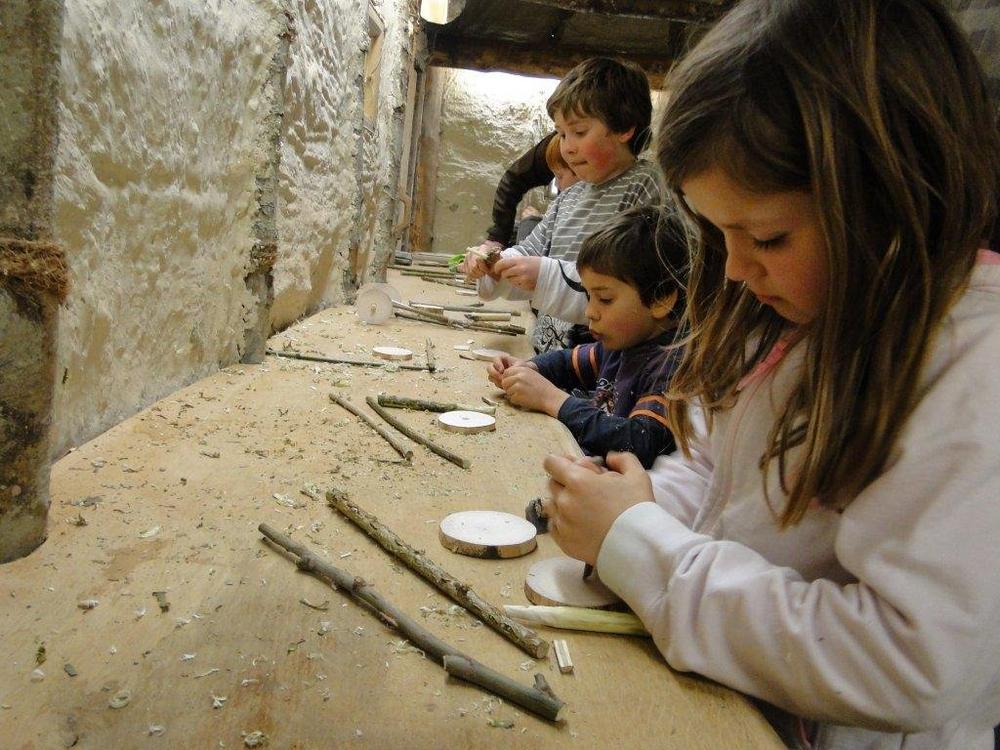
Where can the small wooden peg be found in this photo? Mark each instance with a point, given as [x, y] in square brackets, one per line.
[487, 354]
[562, 655]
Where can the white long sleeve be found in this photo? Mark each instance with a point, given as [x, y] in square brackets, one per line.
[885, 617]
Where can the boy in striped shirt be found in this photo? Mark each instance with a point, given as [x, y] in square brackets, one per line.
[601, 111]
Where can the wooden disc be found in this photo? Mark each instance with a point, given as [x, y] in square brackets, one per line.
[487, 533]
[468, 422]
[396, 353]
[373, 306]
[487, 354]
[559, 582]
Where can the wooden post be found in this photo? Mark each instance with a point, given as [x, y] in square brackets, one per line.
[424, 201]
[264, 252]
[33, 275]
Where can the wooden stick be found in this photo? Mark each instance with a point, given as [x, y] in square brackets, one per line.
[459, 592]
[460, 285]
[508, 328]
[431, 257]
[418, 263]
[578, 618]
[416, 437]
[530, 698]
[454, 324]
[429, 352]
[477, 307]
[424, 318]
[432, 316]
[410, 271]
[438, 316]
[542, 703]
[406, 453]
[428, 308]
[502, 317]
[340, 361]
[402, 402]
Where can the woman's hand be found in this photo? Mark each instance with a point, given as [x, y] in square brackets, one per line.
[520, 270]
[496, 369]
[584, 502]
[529, 389]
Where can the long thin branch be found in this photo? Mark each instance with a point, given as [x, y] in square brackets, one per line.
[469, 669]
[455, 323]
[459, 284]
[419, 404]
[405, 452]
[437, 315]
[465, 308]
[417, 437]
[340, 361]
[461, 593]
[436, 273]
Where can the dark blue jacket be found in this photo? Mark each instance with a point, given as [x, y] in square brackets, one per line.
[617, 401]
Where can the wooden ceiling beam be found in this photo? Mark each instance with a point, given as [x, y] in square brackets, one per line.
[513, 58]
[683, 11]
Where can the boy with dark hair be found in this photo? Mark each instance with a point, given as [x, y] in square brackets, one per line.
[633, 273]
[601, 111]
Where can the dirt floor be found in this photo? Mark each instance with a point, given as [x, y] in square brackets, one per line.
[239, 641]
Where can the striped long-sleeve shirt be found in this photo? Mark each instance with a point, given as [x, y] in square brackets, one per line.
[622, 407]
[575, 214]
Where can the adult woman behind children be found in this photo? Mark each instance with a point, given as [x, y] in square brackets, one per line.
[826, 539]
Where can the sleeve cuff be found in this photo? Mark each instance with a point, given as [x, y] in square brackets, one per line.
[641, 551]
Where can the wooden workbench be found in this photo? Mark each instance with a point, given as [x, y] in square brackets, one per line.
[171, 499]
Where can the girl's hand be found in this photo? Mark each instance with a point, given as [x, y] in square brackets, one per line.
[520, 270]
[499, 365]
[528, 388]
[584, 503]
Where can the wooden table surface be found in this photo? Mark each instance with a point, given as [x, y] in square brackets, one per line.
[171, 499]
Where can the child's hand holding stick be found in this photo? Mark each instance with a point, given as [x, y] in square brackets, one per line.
[529, 389]
[495, 370]
[479, 261]
[584, 501]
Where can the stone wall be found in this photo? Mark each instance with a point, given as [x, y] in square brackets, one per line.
[194, 152]
[487, 121]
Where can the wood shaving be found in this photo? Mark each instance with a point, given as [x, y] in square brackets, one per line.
[120, 699]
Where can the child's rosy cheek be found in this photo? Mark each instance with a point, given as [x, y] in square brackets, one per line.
[599, 157]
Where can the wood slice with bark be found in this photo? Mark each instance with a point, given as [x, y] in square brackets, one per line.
[559, 582]
[487, 534]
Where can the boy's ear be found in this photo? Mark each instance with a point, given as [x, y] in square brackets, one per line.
[662, 306]
[625, 136]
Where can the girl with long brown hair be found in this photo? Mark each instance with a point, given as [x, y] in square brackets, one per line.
[826, 537]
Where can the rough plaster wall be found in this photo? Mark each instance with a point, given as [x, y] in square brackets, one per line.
[337, 179]
[398, 50]
[154, 197]
[487, 121]
[318, 191]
